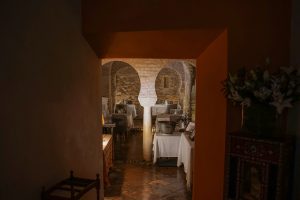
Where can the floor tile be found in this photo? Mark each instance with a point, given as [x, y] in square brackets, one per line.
[132, 178]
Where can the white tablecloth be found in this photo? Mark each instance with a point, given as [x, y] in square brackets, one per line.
[165, 145]
[186, 147]
[130, 121]
[175, 145]
[131, 110]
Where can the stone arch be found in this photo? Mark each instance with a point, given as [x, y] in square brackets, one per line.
[168, 85]
[122, 84]
[189, 102]
[186, 98]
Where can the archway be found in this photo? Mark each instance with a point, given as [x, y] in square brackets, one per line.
[168, 86]
[121, 82]
[211, 116]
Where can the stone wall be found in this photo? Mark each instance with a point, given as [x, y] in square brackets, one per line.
[105, 86]
[148, 70]
[127, 87]
[168, 86]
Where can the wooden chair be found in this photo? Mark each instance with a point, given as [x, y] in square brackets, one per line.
[121, 122]
[72, 188]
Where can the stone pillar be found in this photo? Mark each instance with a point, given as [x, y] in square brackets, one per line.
[147, 102]
[188, 70]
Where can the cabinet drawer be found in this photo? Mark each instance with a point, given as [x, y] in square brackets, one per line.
[255, 149]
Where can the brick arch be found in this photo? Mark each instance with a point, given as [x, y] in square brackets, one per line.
[208, 178]
[122, 83]
[168, 84]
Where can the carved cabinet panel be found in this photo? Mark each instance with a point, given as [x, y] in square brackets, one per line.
[258, 168]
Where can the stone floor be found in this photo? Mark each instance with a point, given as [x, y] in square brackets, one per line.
[133, 179]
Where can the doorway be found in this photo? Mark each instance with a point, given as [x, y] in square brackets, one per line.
[174, 100]
[211, 69]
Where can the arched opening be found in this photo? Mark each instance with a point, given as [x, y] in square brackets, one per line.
[168, 86]
[211, 106]
[121, 84]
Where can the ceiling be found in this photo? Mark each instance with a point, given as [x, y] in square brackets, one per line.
[152, 28]
[153, 44]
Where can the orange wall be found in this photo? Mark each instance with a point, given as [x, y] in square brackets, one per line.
[210, 121]
[256, 30]
[155, 44]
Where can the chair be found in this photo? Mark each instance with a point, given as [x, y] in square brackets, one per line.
[72, 188]
[121, 124]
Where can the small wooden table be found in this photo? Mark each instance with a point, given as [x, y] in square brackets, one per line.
[108, 154]
[72, 188]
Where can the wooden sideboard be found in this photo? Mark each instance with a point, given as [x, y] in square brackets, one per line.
[108, 153]
[258, 168]
[162, 108]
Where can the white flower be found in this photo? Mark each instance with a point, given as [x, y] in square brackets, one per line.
[246, 102]
[253, 74]
[280, 105]
[266, 75]
[262, 93]
[288, 69]
[259, 85]
[277, 96]
[235, 96]
[232, 78]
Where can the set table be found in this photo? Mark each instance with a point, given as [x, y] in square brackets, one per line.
[177, 145]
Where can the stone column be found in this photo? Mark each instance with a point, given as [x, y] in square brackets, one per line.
[147, 102]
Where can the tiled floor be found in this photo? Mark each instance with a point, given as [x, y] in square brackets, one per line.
[133, 179]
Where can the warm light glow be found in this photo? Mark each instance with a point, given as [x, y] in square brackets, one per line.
[147, 102]
[147, 134]
[102, 119]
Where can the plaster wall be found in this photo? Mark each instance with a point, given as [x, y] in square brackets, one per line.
[50, 98]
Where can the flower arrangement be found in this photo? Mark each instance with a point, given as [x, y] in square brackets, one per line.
[279, 89]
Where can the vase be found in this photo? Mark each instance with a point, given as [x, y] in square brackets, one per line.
[262, 120]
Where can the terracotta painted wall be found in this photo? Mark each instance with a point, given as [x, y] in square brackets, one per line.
[210, 121]
[50, 98]
[257, 30]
